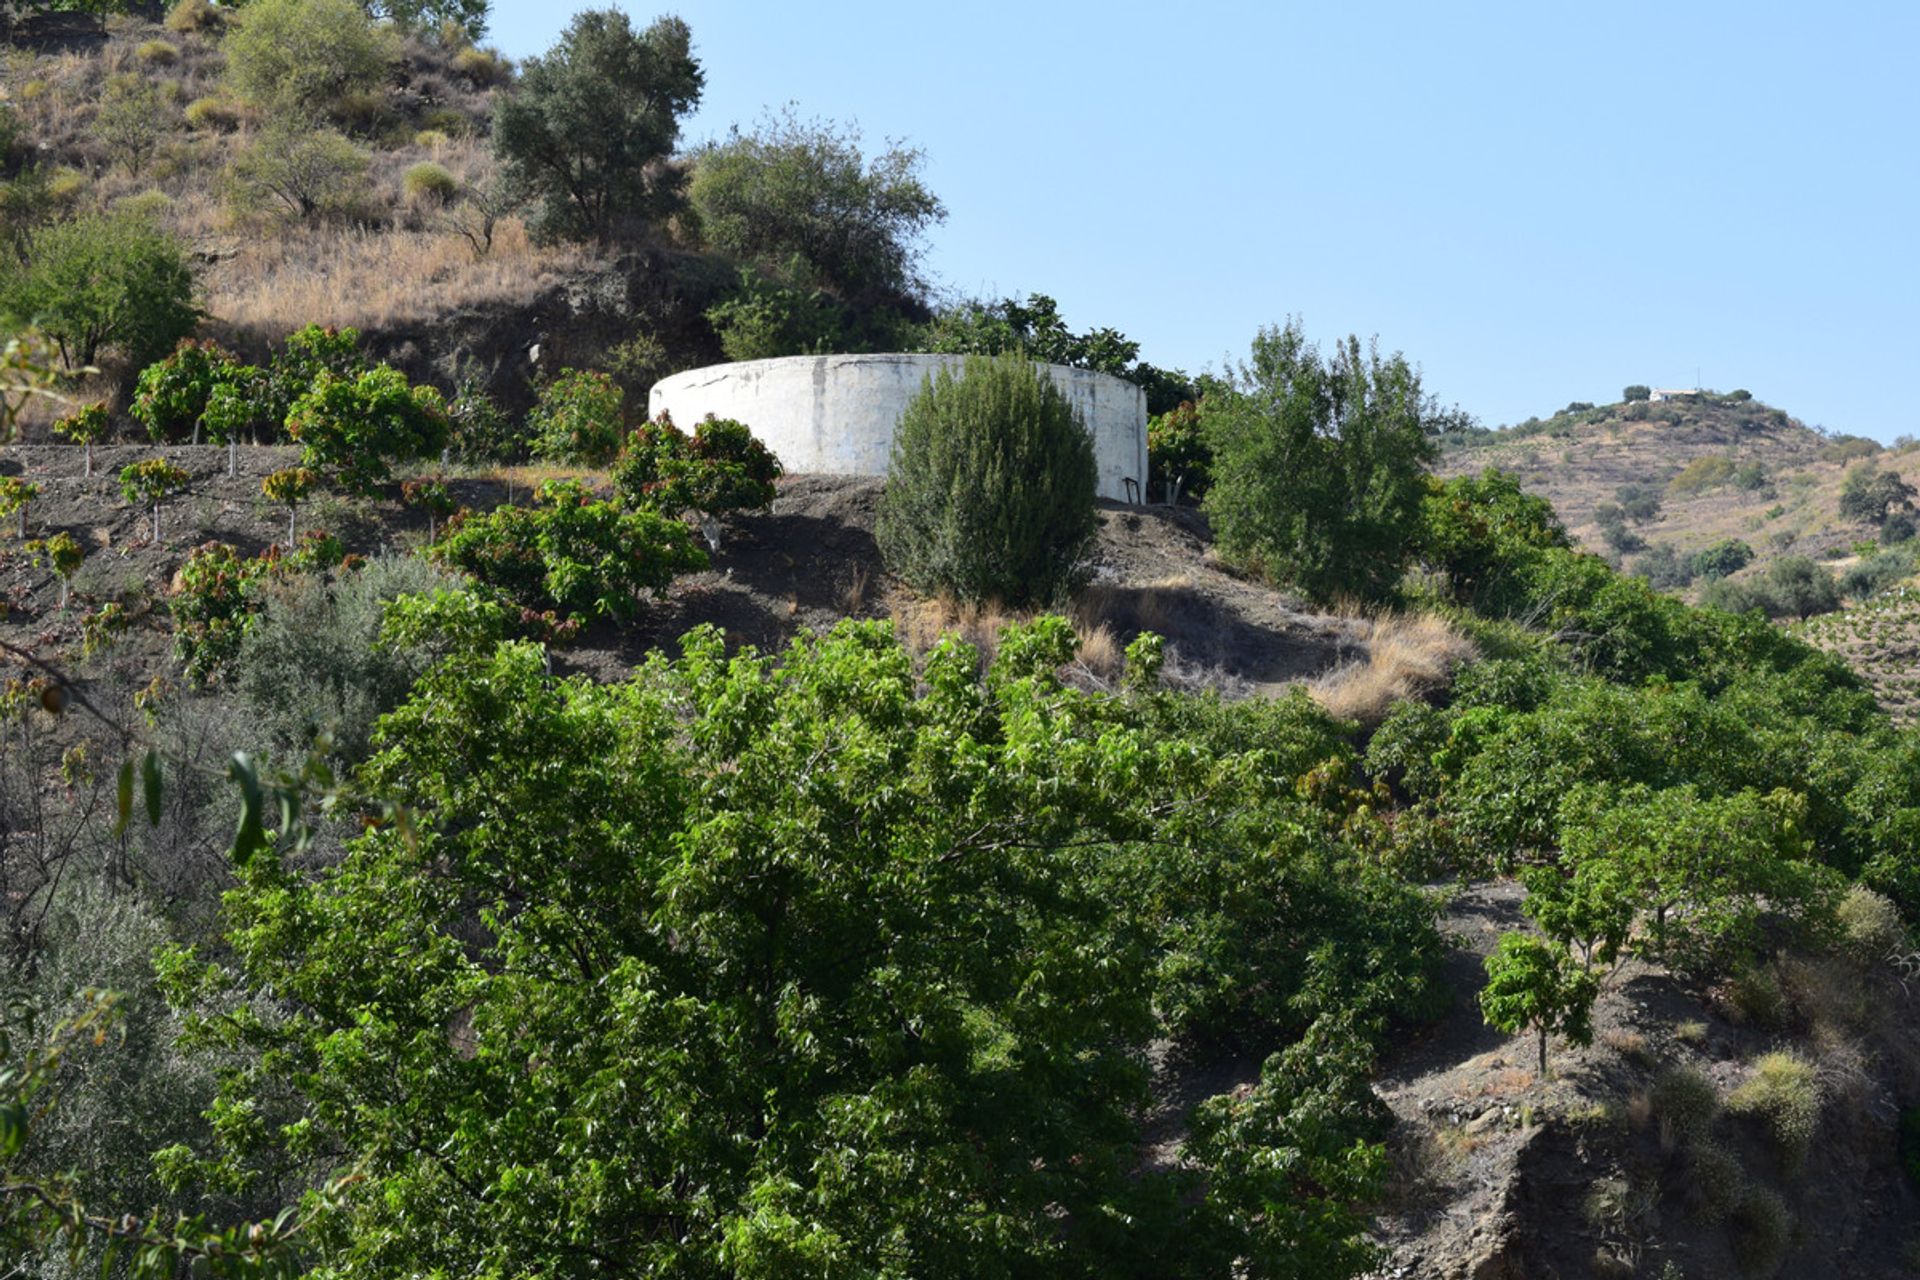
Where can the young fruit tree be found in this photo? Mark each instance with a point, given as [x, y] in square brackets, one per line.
[15, 494]
[1537, 984]
[151, 483]
[288, 488]
[84, 426]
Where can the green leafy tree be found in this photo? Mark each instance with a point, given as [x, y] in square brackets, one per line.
[990, 494]
[306, 354]
[1482, 533]
[15, 496]
[1722, 559]
[578, 419]
[1799, 586]
[296, 59]
[298, 171]
[64, 555]
[150, 483]
[1319, 463]
[172, 395]
[590, 130]
[289, 488]
[1536, 985]
[1036, 329]
[1179, 460]
[105, 281]
[800, 199]
[85, 426]
[721, 469]
[466, 17]
[1635, 393]
[753, 965]
[352, 428]
[1873, 496]
[569, 555]
[129, 121]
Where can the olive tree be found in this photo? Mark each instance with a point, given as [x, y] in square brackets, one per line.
[589, 132]
[105, 281]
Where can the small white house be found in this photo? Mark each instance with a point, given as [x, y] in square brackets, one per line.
[1673, 393]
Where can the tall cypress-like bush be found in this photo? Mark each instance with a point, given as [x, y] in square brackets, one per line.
[991, 488]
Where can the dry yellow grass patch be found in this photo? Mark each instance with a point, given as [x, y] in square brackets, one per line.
[374, 279]
[1407, 655]
[922, 621]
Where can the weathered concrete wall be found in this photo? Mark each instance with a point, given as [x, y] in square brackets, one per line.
[835, 415]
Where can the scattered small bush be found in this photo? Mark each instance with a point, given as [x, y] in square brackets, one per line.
[193, 15]
[431, 139]
[296, 59]
[430, 183]
[1761, 1231]
[1716, 1184]
[158, 53]
[1754, 996]
[214, 114]
[482, 68]
[1871, 930]
[1685, 1102]
[1722, 559]
[1783, 1092]
[305, 172]
[1702, 474]
[991, 490]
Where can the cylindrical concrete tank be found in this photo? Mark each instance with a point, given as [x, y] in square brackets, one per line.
[835, 415]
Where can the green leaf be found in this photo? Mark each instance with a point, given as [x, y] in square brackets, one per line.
[251, 836]
[13, 1128]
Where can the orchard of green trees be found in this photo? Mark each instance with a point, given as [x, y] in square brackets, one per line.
[839, 958]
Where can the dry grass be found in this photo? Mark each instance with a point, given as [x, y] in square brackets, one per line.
[1408, 655]
[374, 279]
[921, 622]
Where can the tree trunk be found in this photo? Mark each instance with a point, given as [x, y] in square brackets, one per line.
[233, 461]
[86, 455]
[1543, 1053]
[290, 512]
[156, 523]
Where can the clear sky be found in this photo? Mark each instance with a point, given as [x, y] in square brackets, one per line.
[1537, 203]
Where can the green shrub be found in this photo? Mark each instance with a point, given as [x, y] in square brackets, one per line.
[1783, 1091]
[149, 206]
[99, 282]
[158, 53]
[299, 171]
[721, 469]
[990, 494]
[1722, 559]
[214, 114]
[352, 427]
[578, 419]
[211, 607]
[193, 15]
[1636, 392]
[1685, 1102]
[429, 183]
[568, 555]
[309, 662]
[1179, 459]
[1871, 929]
[1755, 997]
[432, 140]
[1716, 1184]
[479, 430]
[482, 68]
[1702, 474]
[296, 59]
[1798, 586]
[1319, 464]
[1761, 1230]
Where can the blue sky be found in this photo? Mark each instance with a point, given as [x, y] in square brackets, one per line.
[1536, 203]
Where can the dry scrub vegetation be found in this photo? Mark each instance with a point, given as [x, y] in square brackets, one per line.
[1408, 655]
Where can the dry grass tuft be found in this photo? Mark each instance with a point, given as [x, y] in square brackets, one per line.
[1408, 655]
[921, 622]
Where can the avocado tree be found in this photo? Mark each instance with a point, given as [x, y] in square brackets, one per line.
[722, 468]
[15, 495]
[289, 488]
[84, 426]
[63, 555]
[352, 427]
[1536, 984]
[151, 483]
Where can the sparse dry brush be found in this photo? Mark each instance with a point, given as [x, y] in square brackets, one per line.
[1409, 655]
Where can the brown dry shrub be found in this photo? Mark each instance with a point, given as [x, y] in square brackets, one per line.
[1408, 656]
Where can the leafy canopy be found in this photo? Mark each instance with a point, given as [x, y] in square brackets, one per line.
[589, 131]
[1319, 463]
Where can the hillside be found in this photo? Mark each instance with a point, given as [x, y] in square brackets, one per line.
[1718, 467]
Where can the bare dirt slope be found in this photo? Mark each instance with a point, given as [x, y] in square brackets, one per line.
[806, 563]
[1502, 1174]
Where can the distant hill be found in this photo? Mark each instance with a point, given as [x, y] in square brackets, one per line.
[1650, 485]
[1688, 473]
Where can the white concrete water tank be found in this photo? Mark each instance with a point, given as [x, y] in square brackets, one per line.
[835, 415]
